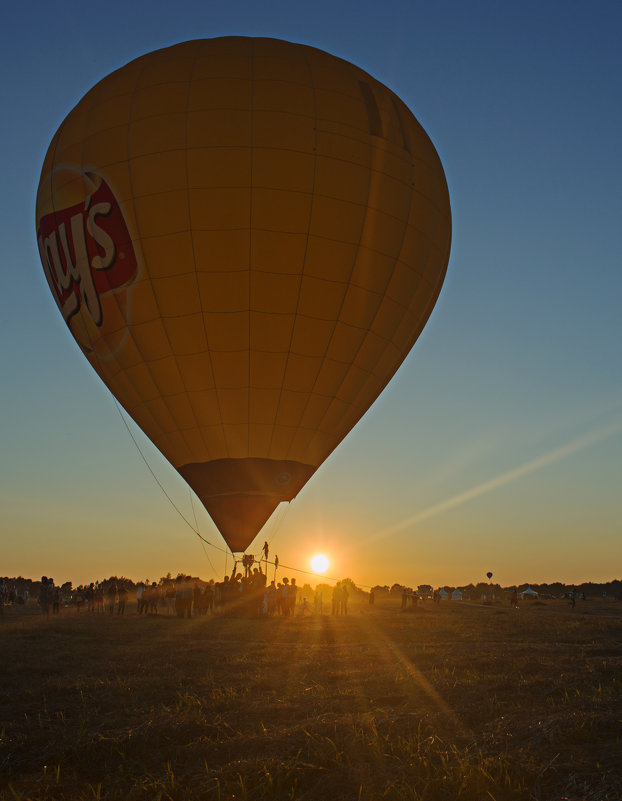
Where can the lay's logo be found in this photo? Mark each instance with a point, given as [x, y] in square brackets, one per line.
[86, 251]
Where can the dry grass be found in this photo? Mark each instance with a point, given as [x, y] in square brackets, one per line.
[451, 702]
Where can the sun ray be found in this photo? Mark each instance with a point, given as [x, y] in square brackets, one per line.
[391, 653]
[578, 444]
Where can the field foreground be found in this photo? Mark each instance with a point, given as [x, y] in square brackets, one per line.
[448, 702]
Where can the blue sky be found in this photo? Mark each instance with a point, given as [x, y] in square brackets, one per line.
[498, 445]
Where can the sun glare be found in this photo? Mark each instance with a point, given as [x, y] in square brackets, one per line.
[320, 563]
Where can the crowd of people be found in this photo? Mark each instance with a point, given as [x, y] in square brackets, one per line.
[247, 593]
[10, 595]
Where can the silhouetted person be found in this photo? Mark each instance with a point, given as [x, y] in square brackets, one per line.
[112, 594]
[140, 589]
[122, 599]
[179, 598]
[291, 597]
[284, 596]
[44, 596]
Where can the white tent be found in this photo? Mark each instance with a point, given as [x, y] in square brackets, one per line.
[456, 595]
[528, 594]
[443, 595]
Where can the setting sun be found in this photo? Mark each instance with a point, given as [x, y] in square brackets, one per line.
[320, 563]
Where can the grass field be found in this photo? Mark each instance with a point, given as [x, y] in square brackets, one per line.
[455, 701]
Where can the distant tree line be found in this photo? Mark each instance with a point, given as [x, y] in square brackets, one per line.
[556, 589]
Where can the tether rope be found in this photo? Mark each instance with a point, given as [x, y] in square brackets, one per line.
[156, 479]
[196, 522]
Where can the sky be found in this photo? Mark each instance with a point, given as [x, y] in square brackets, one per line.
[498, 444]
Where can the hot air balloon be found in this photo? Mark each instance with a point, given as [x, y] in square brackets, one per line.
[489, 576]
[245, 238]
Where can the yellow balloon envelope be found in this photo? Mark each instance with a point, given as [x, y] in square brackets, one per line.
[245, 237]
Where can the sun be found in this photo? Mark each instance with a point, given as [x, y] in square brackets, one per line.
[320, 563]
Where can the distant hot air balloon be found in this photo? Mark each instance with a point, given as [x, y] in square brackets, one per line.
[245, 237]
[489, 576]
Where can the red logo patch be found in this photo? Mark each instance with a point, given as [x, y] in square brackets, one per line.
[86, 251]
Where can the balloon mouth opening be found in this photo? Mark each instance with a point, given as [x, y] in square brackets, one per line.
[241, 494]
